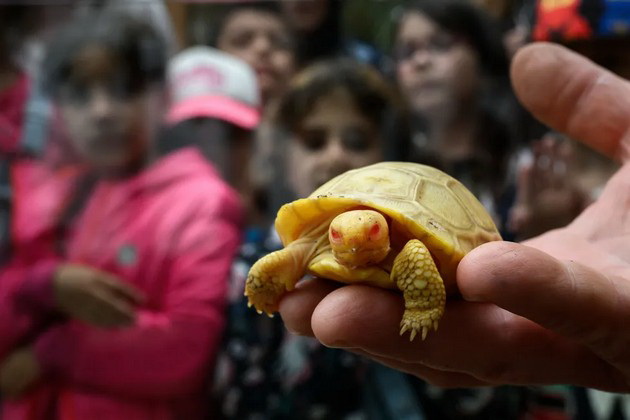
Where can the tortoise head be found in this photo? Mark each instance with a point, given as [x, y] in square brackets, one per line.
[359, 238]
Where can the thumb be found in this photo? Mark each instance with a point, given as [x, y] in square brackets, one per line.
[573, 95]
[566, 297]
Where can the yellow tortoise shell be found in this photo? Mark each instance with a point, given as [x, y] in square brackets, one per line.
[423, 203]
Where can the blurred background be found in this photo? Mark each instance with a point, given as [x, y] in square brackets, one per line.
[146, 146]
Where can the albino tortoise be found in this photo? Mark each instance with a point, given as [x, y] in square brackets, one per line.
[394, 225]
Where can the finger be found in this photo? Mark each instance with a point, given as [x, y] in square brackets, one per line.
[297, 307]
[574, 96]
[573, 300]
[433, 376]
[478, 340]
[123, 288]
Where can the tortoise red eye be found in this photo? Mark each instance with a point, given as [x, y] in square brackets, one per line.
[375, 230]
[335, 235]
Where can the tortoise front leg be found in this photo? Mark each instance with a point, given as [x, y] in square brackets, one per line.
[415, 274]
[276, 273]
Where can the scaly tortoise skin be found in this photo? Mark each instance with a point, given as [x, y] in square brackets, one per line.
[395, 225]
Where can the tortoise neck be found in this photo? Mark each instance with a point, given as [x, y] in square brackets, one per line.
[304, 248]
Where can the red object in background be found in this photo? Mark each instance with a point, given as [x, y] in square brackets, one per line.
[560, 19]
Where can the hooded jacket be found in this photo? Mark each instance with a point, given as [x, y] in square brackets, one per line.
[172, 232]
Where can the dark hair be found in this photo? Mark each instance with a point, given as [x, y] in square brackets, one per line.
[325, 41]
[462, 18]
[370, 92]
[139, 46]
[225, 12]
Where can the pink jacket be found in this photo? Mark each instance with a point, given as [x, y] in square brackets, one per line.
[171, 231]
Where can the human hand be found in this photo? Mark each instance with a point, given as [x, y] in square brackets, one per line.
[94, 296]
[552, 310]
[18, 373]
[548, 191]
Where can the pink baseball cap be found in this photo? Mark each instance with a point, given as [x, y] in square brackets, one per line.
[206, 82]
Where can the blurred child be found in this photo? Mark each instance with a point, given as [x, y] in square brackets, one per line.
[453, 70]
[338, 115]
[215, 106]
[134, 249]
[317, 27]
[452, 67]
[257, 33]
[335, 116]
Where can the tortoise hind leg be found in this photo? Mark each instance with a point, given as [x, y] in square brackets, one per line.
[415, 274]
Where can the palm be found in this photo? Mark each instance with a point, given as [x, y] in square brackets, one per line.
[600, 236]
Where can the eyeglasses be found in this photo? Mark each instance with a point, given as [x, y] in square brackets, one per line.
[355, 139]
[439, 44]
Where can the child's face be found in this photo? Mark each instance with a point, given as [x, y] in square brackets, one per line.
[263, 41]
[333, 138]
[106, 119]
[435, 69]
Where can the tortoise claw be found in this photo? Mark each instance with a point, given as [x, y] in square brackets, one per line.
[418, 322]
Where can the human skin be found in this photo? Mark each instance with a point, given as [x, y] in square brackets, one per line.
[550, 310]
[444, 74]
[332, 117]
[262, 40]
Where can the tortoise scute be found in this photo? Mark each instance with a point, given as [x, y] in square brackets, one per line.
[445, 206]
